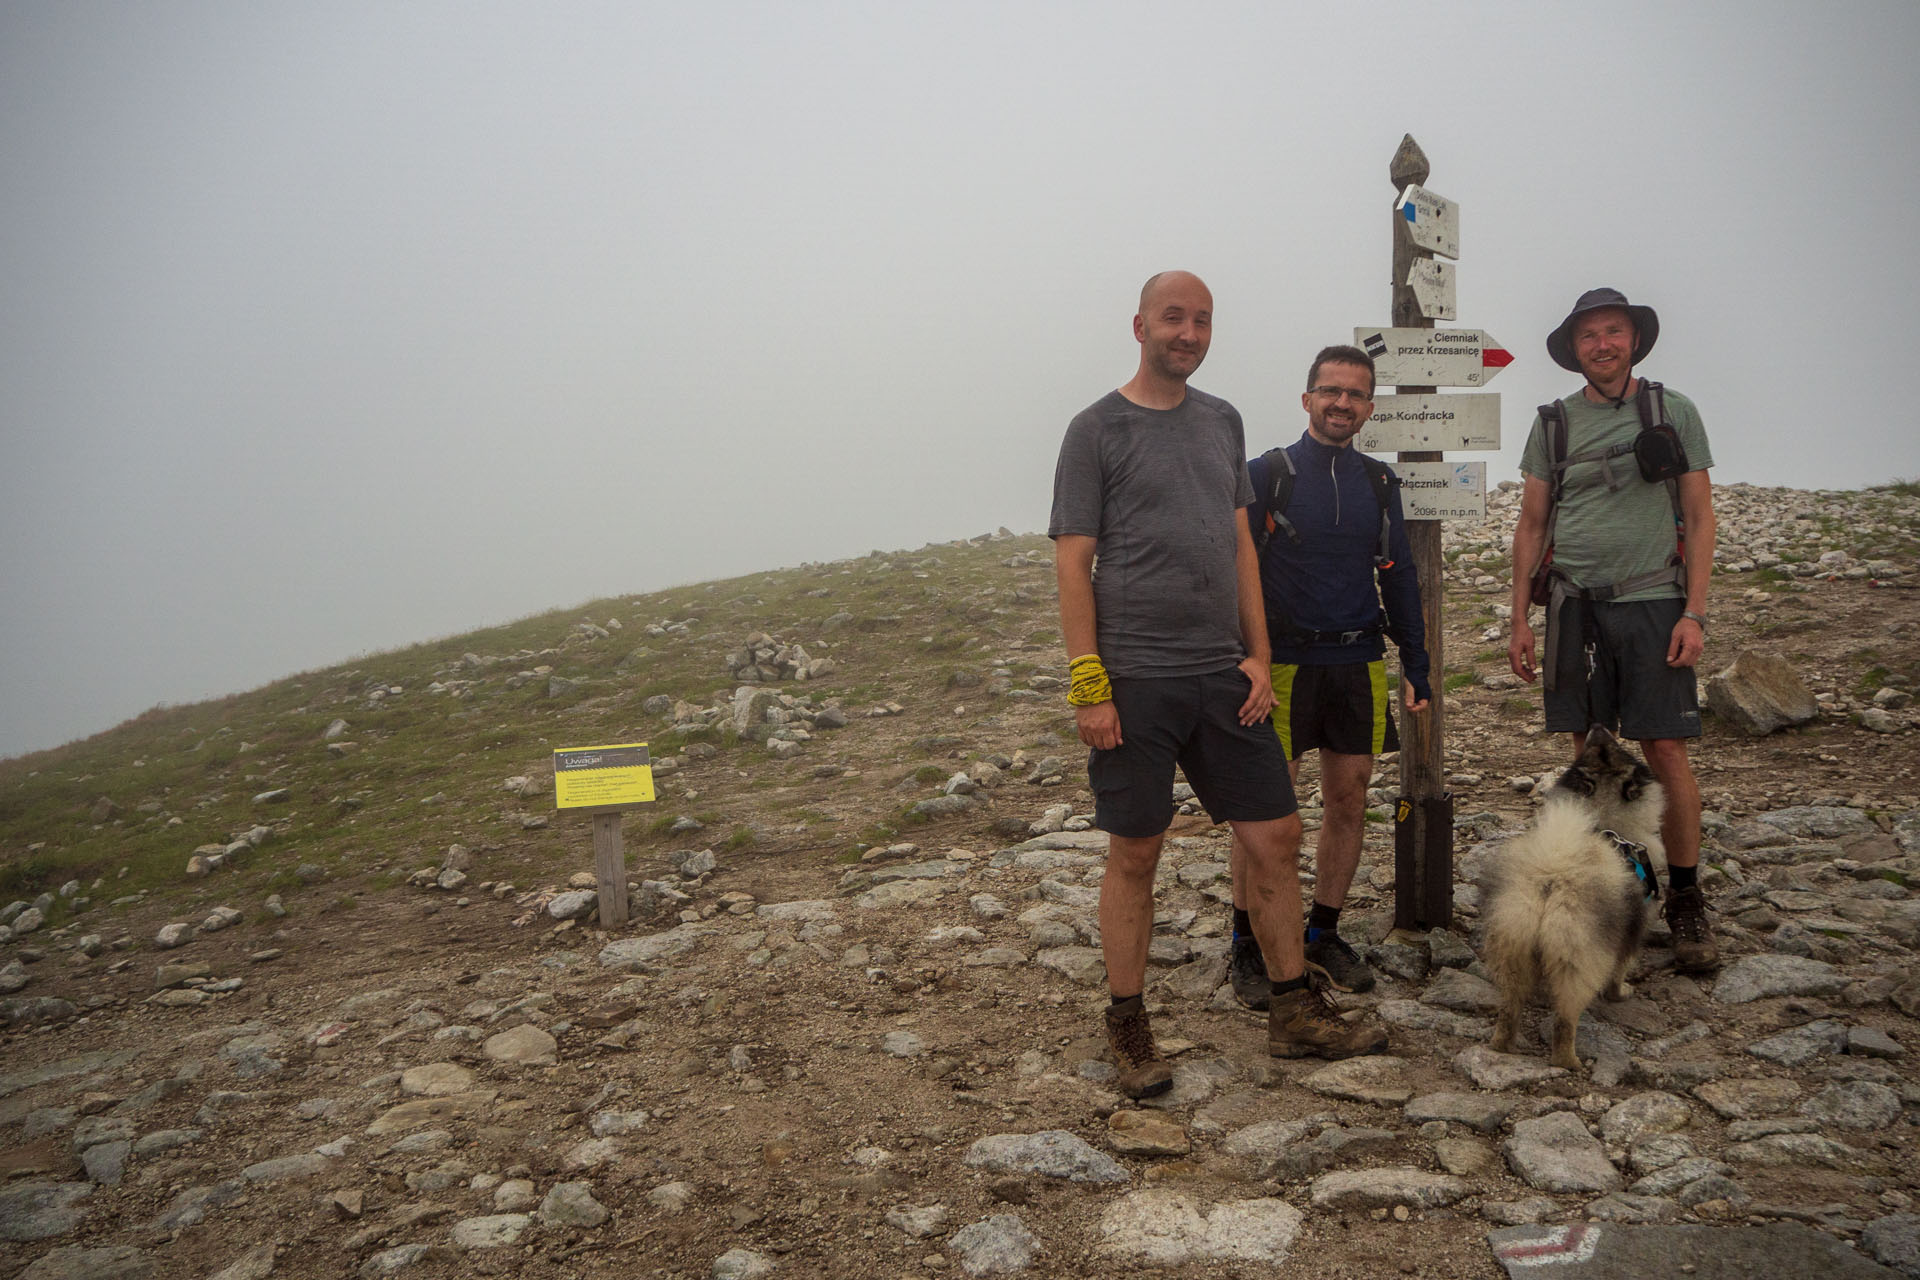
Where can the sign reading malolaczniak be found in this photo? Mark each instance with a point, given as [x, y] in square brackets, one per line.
[1443, 490]
[602, 777]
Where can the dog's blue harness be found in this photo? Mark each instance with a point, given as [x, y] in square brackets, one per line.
[1637, 859]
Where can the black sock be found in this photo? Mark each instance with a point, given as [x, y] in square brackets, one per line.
[1291, 984]
[1242, 923]
[1679, 878]
[1323, 919]
[1113, 999]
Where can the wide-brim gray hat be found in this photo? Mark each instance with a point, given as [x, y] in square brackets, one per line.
[1646, 326]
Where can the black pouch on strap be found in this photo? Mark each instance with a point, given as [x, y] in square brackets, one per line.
[1659, 453]
[1657, 449]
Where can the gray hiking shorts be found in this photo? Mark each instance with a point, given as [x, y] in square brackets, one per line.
[1632, 692]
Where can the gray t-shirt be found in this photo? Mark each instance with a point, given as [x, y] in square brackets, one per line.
[1612, 524]
[1160, 490]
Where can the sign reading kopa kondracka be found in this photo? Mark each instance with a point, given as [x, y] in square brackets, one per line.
[602, 777]
[1432, 422]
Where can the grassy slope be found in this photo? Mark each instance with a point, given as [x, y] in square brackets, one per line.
[425, 770]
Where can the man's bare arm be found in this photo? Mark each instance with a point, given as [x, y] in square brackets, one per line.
[1073, 570]
[1258, 664]
[1529, 544]
[1099, 724]
[1689, 639]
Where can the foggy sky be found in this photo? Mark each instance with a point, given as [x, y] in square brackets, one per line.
[325, 328]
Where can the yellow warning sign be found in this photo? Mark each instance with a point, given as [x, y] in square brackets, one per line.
[602, 777]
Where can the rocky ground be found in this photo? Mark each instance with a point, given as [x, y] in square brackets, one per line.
[859, 1036]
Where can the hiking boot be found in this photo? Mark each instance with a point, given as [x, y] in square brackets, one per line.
[1307, 1024]
[1248, 971]
[1694, 950]
[1143, 1072]
[1345, 969]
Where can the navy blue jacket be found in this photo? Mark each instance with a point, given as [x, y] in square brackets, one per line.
[1326, 583]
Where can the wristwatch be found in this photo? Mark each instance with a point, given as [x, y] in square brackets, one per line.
[1700, 618]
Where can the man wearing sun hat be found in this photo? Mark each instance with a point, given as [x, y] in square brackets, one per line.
[1625, 510]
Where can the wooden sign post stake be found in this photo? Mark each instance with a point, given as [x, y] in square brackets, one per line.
[610, 869]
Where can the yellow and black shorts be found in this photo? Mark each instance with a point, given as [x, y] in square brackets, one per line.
[1346, 707]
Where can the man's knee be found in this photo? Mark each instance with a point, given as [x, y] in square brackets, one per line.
[1270, 840]
[1344, 779]
[1667, 757]
[1134, 858]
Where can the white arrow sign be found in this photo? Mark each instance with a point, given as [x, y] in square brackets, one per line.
[1419, 423]
[1432, 221]
[1443, 490]
[1432, 283]
[1433, 357]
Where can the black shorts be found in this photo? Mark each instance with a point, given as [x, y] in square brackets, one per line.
[1634, 693]
[1346, 707]
[1236, 770]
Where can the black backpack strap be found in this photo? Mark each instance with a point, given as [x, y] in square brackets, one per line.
[1554, 417]
[1381, 477]
[1652, 404]
[1259, 472]
[1280, 474]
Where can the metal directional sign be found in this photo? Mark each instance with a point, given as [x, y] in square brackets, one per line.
[1423, 423]
[1443, 490]
[1432, 283]
[1432, 221]
[1433, 357]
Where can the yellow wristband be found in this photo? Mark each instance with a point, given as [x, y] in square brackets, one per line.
[1087, 681]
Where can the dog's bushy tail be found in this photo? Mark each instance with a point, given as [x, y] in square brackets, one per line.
[1548, 905]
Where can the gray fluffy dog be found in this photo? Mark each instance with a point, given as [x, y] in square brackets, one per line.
[1563, 907]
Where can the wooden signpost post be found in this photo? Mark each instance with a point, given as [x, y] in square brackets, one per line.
[605, 782]
[1419, 359]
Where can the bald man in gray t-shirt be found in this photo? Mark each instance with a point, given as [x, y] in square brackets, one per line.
[1167, 647]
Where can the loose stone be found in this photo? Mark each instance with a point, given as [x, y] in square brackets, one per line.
[1165, 1228]
[1054, 1153]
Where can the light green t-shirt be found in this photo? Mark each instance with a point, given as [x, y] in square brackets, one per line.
[1613, 525]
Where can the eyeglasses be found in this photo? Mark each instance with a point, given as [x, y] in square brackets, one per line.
[1343, 393]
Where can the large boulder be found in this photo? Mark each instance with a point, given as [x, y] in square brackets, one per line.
[1759, 693]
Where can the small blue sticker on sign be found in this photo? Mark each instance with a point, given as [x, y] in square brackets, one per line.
[1408, 209]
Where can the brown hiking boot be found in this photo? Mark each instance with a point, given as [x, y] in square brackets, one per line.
[1694, 950]
[1307, 1024]
[1143, 1072]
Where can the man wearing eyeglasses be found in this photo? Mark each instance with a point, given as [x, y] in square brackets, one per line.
[1168, 664]
[1332, 557]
